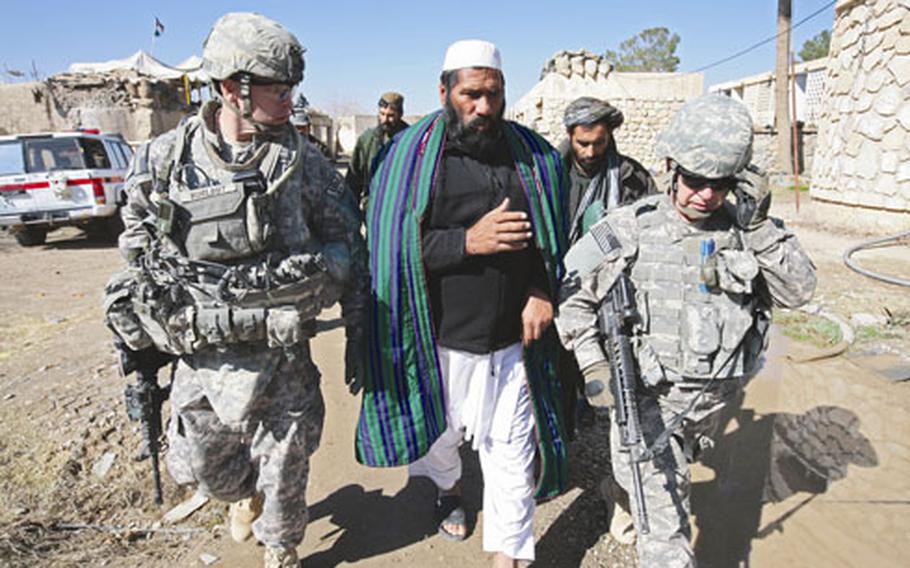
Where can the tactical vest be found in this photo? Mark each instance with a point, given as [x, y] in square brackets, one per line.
[227, 214]
[224, 219]
[692, 326]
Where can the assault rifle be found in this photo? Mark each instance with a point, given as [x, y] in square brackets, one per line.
[144, 399]
[618, 314]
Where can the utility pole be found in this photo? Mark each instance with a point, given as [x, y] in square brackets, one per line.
[781, 82]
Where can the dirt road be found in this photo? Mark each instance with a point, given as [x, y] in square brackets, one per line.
[814, 470]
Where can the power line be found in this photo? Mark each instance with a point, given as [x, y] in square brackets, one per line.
[770, 39]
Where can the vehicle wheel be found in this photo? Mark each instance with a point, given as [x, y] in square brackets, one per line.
[106, 229]
[31, 237]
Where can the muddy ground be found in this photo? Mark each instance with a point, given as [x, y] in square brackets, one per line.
[813, 468]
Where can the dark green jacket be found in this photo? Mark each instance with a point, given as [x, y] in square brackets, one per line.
[360, 171]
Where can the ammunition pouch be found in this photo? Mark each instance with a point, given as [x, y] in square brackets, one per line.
[736, 270]
[183, 319]
[284, 327]
[278, 326]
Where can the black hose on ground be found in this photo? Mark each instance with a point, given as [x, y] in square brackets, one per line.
[852, 265]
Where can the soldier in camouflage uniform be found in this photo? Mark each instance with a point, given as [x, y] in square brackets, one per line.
[238, 232]
[705, 273]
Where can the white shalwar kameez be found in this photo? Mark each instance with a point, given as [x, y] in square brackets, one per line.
[488, 404]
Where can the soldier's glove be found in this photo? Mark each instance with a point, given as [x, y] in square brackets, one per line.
[597, 385]
[354, 360]
[753, 198]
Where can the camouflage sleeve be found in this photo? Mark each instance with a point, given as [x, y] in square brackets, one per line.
[785, 267]
[147, 168]
[592, 266]
[335, 219]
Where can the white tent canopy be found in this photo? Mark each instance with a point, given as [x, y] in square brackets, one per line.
[192, 67]
[191, 63]
[144, 64]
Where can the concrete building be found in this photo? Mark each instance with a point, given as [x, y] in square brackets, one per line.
[757, 93]
[349, 128]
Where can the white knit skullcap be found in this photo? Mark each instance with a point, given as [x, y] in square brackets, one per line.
[472, 53]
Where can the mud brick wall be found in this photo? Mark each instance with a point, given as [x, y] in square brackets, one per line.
[134, 107]
[647, 100]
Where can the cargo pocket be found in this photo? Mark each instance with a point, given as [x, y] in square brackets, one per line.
[702, 338]
[736, 324]
[179, 454]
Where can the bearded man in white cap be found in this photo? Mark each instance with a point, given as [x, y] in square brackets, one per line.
[466, 237]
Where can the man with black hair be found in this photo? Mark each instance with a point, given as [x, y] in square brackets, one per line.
[466, 235]
[600, 177]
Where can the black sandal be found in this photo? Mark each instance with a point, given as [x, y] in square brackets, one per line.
[450, 512]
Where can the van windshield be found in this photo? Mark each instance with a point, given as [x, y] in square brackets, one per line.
[11, 158]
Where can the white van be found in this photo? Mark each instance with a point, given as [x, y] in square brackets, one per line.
[63, 178]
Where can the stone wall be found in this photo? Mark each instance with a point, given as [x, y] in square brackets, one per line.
[134, 107]
[863, 154]
[647, 100]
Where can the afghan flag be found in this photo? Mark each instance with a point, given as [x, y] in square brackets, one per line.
[159, 27]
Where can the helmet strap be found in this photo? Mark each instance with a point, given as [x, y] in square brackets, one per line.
[246, 107]
[246, 97]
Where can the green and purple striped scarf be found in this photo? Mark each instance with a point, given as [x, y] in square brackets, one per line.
[403, 409]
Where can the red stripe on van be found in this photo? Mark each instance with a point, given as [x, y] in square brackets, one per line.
[45, 184]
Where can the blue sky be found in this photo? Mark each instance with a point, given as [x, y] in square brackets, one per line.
[356, 50]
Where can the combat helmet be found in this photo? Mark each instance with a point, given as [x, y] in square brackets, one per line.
[251, 44]
[251, 48]
[710, 136]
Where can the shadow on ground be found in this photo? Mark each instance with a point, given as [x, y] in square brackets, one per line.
[768, 459]
[764, 459]
[580, 526]
[70, 240]
[371, 524]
